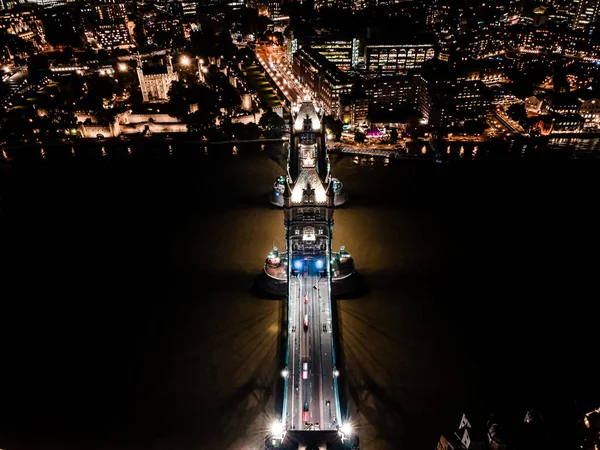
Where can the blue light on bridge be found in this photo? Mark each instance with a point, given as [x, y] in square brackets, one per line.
[298, 264]
[319, 264]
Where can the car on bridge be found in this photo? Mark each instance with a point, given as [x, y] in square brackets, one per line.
[306, 299]
[305, 417]
[305, 371]
[305, 323]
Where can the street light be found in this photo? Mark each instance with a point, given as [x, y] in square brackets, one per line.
[285, 373]
[185, 60]
[123, 67]
[277, 429]
[346, 429]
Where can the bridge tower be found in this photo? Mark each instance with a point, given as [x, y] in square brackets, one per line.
[308, 199]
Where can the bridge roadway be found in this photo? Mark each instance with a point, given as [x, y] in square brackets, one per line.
[314, 396]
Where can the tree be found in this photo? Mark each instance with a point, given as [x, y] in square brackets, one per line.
[271, 120]
[475, 126]
[560, 82]
[179, 104]
[517, 112]
[359, 137]
[334, 126]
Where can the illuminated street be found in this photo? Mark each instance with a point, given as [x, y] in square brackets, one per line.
[272, 60]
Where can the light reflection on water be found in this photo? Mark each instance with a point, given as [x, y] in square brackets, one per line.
[567, 148]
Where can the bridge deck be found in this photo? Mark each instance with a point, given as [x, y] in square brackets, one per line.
[311, 345]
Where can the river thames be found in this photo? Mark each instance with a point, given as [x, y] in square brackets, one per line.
[128, 320]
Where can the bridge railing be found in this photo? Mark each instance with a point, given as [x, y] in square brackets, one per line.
[338, 409]
[284, 411]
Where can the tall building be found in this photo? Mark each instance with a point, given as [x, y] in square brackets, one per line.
[586, 16]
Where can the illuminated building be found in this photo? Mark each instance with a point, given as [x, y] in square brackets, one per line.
[341, 52]
[274, 8]
[393, 59]
[46, 3]
[340, 4]
[182, 10]
[587, 15]
[155, 79]
[24, 24]
[115, 35]
[106, 25]
[590, 111]
[156, 23]
[236, 4]
[322, 77]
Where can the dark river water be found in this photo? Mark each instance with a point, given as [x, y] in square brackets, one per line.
[127, 322]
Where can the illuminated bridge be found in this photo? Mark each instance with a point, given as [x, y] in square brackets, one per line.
[311, 413]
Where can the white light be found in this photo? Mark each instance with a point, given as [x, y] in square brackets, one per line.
[185, 61]
[122, 67]
[346, 429]
[284, 372]
[277, 428]
[336, 373]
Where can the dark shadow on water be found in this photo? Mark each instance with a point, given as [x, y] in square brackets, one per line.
[259, 290]
[281, 354]
[361, 288]
[339, 357]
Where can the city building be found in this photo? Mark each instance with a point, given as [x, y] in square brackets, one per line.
[443, 99]
[111, 36]
[586, 17]
[162, 24]
[104, 12]
[535, 105]
[274, 8]
[590, 111]
[394, 59]
[382, 97]
[155, 79]
[24, 24]
[183, 10]
[106, 25]
[334, 4]
[322, 77]
[45, 3]
[344, 53]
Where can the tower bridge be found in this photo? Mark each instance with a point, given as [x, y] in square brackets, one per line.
[312, 414]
